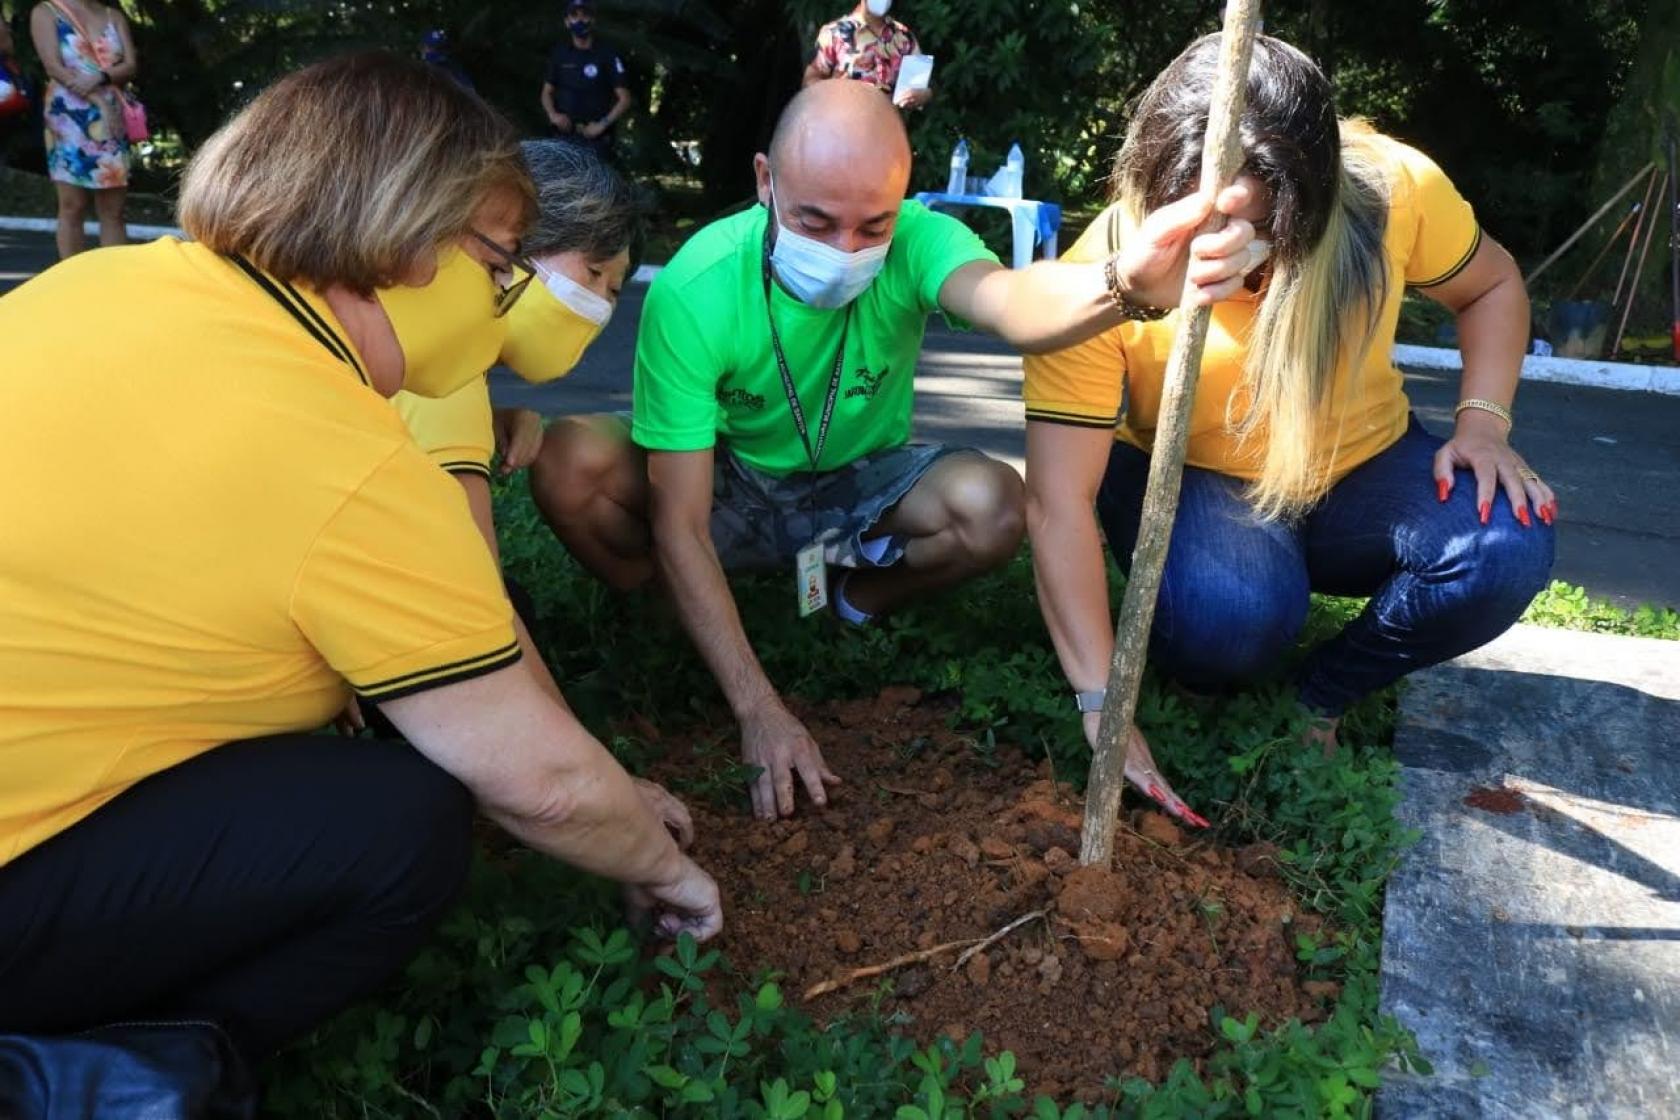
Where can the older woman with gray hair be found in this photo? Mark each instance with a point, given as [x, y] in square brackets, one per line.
[580, 247]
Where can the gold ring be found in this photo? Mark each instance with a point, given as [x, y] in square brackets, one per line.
[1528, 474]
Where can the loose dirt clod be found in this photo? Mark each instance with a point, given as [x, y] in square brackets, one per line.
[1496, 800]
[1087, 973]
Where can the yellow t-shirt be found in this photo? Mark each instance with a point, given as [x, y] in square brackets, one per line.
[1430, 237]
[456, 432]
[209, 524]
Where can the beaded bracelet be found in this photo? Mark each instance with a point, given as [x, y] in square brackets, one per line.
[1122, 301]
[1480, 405]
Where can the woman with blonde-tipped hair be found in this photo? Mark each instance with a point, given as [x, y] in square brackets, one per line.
[1306, 470]
[246, 537]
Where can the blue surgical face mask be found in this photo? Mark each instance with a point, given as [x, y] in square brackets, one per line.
[819, 274]
[580, 28]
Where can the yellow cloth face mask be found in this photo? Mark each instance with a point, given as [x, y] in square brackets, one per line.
[448, 328]
[551, 327]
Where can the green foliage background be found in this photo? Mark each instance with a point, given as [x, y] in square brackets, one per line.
[1513, 96]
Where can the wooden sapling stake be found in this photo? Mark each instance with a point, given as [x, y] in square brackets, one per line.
[1221, 159]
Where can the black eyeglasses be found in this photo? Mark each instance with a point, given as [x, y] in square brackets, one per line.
[507, 295]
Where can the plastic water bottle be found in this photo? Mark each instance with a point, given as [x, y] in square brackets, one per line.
[958, 183]
[1017, 165]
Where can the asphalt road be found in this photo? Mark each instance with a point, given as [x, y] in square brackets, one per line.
[1612, 456]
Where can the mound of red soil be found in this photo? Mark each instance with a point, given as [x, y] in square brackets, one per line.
[926, 844]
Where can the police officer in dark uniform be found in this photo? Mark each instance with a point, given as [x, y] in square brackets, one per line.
[586, 87]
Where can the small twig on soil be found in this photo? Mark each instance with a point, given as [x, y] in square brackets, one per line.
[907, 959]
[884, 788]
[827, 986]
[1153, 843]
[996, 937]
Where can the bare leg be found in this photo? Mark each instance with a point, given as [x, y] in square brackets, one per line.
[108, 203]
[72, 211]
[590, 483]
[965, 517]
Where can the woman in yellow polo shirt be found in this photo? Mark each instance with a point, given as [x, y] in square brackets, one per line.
[580, 241]
[253, 537]
[1306, 470]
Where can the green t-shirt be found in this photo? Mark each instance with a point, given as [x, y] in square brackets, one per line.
[705, 370]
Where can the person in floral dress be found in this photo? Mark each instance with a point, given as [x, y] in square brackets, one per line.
[867, 45]
[88, 52]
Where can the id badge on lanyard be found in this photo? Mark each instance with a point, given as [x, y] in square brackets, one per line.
[810, 572]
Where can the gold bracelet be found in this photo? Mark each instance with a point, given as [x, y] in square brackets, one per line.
[1480, 405]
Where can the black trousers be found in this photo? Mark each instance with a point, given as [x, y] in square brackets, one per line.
[262, 886]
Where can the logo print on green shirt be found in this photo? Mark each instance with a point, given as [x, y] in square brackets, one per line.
[740, 398]
[868, 384]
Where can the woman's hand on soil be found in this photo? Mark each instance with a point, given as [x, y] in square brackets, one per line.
[519, 436]
[672, 813]
[1144, 775]
[350, 721]
[773, 740]
[688, 903]
[1479, 445]
[1167, 255]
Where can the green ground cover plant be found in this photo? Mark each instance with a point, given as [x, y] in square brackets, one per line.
[532, 1002]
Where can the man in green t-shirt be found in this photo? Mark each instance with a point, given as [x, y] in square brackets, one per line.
[772, 407]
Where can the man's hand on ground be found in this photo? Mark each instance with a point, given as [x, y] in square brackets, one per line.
[672, 813]
[688, 903]
[778, 744]
[1144, 775]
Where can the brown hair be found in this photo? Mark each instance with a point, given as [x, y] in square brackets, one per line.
[1329, 278]
[350, 172]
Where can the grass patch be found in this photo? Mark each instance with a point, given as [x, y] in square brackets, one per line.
[1571, 608]
[532, 1002]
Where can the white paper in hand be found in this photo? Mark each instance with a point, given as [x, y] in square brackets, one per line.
[915, 72]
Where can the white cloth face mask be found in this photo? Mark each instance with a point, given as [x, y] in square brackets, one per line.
[595, 308]
[819, 274]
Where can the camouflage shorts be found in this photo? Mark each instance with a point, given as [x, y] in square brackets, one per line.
[759, 522]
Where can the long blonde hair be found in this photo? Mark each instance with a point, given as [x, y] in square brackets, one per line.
[1328, 276]
[351, 172]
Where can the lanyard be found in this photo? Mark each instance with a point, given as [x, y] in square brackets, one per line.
[813, 454]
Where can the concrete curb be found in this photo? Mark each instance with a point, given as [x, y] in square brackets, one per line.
[1566, 371]
[50, 225]
[643, 275]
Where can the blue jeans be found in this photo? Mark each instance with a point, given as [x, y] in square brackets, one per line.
[1234, 594]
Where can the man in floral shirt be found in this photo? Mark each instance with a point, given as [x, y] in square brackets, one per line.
[867, 44]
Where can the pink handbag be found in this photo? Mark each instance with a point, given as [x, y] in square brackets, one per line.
[134, 117]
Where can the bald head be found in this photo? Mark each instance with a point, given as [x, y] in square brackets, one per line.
[840, 164]
[841, 121]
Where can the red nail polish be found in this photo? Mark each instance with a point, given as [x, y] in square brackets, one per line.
[1522, 516]
[1442, 487]
[1487, 511]
[1155, 793]
[1546, 514]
